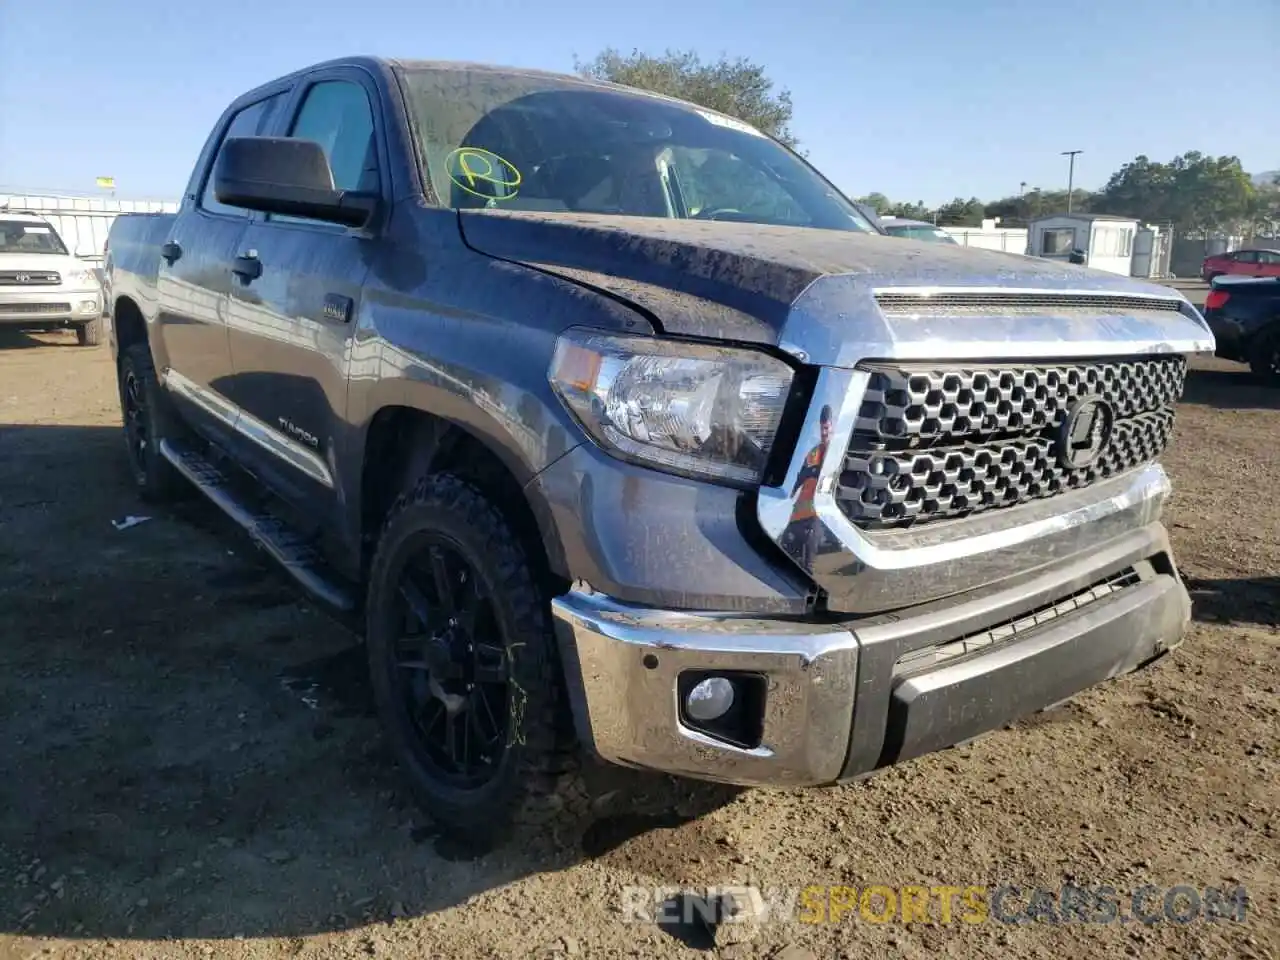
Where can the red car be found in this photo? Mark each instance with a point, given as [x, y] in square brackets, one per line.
[1244, 263]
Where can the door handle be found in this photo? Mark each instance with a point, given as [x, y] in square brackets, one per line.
[247, 266]
[170, 251]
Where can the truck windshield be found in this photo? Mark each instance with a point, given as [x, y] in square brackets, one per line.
[23, 236]
[511, 141]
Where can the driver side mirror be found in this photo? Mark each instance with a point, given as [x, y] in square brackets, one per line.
[287, 176]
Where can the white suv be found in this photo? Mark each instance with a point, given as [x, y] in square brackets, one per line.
[42, 286]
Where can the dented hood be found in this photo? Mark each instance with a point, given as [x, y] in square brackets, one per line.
[741, 282]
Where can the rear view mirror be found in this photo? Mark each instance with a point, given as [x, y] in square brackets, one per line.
[286, 176]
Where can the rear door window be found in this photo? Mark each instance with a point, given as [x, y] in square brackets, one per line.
[246, 123]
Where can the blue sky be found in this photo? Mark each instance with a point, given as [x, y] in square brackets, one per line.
[919, 99]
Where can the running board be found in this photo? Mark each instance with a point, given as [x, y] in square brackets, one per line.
[285, 545]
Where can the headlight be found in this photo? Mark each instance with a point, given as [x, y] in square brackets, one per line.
[83, 278]
[686, 408]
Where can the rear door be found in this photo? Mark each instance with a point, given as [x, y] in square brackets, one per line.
[195, 279]
[1244, 263]
[1268, 263]
[294, 306]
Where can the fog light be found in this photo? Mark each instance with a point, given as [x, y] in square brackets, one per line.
[710, 699]
[88, 306]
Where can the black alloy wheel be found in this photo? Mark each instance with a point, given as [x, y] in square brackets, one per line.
[137, 431]
[451, 663]
[464, 664]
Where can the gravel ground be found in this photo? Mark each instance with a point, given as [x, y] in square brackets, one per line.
[191, 768]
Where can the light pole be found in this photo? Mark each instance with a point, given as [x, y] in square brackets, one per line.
[1071, 174]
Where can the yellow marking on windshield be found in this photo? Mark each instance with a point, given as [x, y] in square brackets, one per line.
[472, 167]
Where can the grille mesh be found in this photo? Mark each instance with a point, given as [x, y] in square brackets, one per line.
[35, 308]
[982, 640]
[1021, 303]
[932, 443]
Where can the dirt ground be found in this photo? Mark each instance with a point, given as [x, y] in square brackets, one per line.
[189, 766]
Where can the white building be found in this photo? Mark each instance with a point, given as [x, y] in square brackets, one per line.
[990, 236]
[1107, 241]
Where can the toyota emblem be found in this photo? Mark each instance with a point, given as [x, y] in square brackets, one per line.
[1085, 432]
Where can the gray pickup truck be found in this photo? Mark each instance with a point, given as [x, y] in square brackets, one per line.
[623, 433]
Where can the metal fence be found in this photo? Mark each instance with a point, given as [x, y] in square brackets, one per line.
[82, 222]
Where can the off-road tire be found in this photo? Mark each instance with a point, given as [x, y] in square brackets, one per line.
[538, 774]
[155, 477]
[1263, 356]
[89, 334]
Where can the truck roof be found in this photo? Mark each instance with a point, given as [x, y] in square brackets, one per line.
[385, 64]
[23, 216]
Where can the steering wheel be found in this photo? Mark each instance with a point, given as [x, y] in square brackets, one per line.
[715, 212]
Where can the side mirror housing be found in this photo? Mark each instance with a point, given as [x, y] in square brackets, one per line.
[287, 176]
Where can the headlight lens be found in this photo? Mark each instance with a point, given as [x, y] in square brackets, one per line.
[84, 278]
[687, 408]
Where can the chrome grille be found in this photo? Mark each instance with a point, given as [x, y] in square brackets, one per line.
[933, 442]
[29, 278]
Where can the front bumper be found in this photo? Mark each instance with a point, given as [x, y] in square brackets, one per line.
[845, 698]
[52, 306]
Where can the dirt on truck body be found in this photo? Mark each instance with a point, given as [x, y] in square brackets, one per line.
[191, 755]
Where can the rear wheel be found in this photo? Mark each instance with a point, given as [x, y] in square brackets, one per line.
[1264, 357]
[89, 334]
[464, 666]
[147, 421]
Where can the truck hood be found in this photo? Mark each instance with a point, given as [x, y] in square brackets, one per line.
[42, 263]
[815, 291]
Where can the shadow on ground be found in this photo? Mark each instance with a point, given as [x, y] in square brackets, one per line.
[190, 746]
[1230, 389]
[1243, 600]
[13, 339]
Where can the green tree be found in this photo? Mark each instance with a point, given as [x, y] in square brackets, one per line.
[961, 213]
[736, 87]
[910, 211]
[1197, 193]
[877, 202]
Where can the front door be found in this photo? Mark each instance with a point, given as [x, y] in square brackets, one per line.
[295, 302]
[194, 280]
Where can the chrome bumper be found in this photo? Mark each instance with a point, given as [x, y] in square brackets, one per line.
[844, 699]
[51, 305]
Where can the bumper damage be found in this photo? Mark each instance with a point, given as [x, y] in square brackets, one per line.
[837, 700]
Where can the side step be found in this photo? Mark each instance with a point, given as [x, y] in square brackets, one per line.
[289, 548]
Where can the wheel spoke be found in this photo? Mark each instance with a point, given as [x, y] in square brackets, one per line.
[483, 697]
[419, 606]
[492, 736]
[474, 723]
[445, 587]
[450, 739]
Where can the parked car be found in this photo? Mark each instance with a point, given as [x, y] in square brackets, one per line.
[1243, 263]
[623, 433]
[1244, 314]
[916, 230]
[42, 286]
